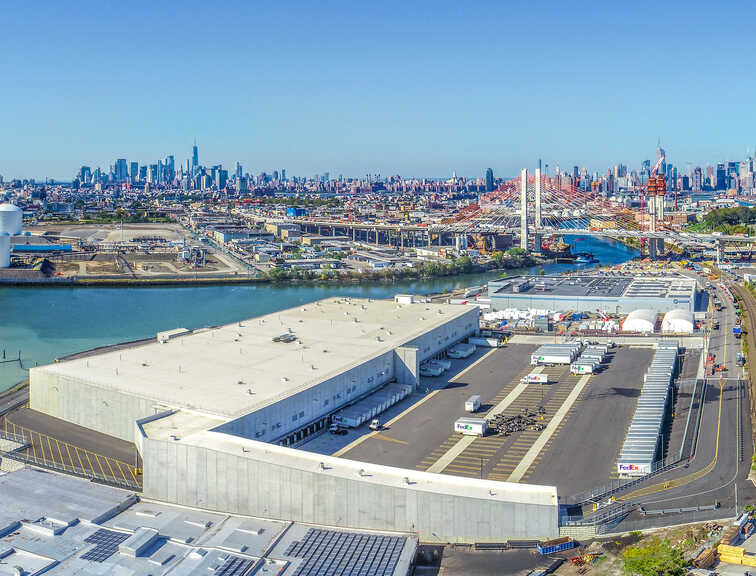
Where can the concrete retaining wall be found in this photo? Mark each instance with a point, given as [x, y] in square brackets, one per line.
[215, 480]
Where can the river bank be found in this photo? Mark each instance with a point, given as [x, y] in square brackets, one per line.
[424, 271]
[46, 324]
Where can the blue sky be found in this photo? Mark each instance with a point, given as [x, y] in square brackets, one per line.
[419, 88]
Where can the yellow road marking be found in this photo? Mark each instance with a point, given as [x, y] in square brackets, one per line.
[389, 439]
[102, 470]
[60, 452]
[112, 474]
[473, 365]
[121, 470]
[81, 464]
[90, 462]
[364, 437]
[70, 459]
[49, 445]
[693, 476]
[549, 431]
[41, 447]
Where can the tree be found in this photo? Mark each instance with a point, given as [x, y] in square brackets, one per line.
[655, 558]
[517, 252]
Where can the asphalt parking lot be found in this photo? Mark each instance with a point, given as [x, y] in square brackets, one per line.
[408, 441]
[585, 451]
[59, 445]
[580, 453]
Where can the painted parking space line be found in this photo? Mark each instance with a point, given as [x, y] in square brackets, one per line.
[549, 431]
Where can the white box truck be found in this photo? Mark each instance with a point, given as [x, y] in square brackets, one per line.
[471, 426]
[535, 379]
[485, 342]
[472, 403]
[583, 368]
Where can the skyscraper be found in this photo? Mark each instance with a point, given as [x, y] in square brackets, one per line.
[660, 155]
[134, 172]
[195, 157]
[120, 170]
[489, 180]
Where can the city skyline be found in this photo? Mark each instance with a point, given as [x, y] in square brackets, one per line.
[421, 90]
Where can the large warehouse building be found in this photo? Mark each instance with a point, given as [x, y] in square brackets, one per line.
[588, 293]
[216, 412]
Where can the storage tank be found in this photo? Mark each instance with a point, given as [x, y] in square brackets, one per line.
[4, 250]
[10, 219]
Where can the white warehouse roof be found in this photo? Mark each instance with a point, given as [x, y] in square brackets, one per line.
[235, 369]
[678, 321]
[640, 320]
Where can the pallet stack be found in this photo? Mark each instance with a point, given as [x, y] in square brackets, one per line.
[705, 559]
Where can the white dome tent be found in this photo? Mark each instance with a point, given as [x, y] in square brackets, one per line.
[678, 321]
[642, 320]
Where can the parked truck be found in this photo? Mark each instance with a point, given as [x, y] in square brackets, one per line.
[736, 331]
[472, 403]
[485, 342]
[471, 426]
[535, 379]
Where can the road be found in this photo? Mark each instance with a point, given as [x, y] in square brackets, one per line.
[716, 468]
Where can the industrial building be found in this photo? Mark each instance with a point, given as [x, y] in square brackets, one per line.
[216, 414]
[589, 293]
[59, 526]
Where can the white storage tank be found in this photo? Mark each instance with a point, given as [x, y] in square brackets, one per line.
[678, 321]
[4, 250]
[10, 219]
[641, 320]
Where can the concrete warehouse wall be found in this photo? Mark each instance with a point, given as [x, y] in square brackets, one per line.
[407, 365]
[215, 480]
[291, 412]
[619, 305]
[86, 404]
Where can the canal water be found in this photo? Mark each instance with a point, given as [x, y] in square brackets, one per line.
[45, 323]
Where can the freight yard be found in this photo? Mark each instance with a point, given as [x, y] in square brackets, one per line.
[426, 400]
[531, 426]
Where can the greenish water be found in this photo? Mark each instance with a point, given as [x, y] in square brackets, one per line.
[45, 323]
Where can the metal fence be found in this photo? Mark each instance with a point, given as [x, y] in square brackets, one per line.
[18, 455]
[680, 458]
[662, 520]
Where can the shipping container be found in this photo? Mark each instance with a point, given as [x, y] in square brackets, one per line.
[485, 342]
[471, 426]
[461, 350]
[472, 403]
[536, 379]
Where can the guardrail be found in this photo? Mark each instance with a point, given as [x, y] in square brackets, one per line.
[611, 513]
[26, 458]
[604, 491]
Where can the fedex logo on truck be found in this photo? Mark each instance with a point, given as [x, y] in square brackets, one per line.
[628, 467]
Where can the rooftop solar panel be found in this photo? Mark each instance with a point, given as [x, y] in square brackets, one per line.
[235, 566]
[335, 553]
[106, 544]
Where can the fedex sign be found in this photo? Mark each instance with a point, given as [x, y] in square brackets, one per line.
[633, 469]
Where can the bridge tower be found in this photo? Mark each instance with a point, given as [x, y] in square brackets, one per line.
[537, 224]
[538, 199]
[524, 209]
